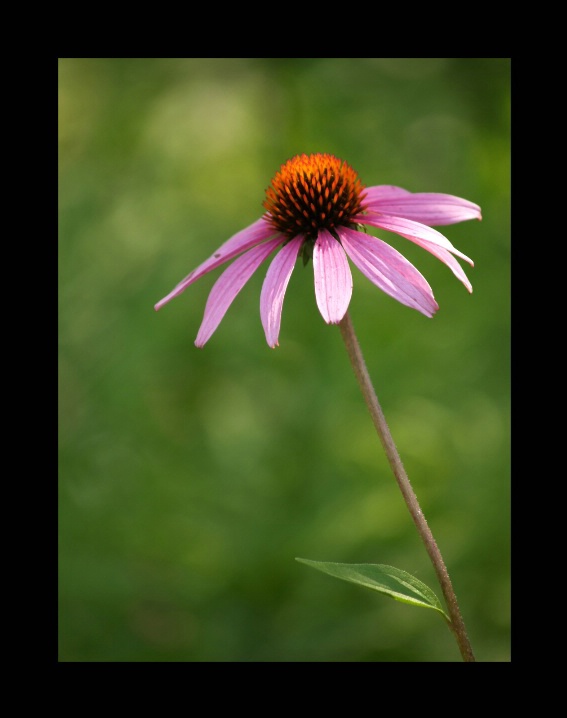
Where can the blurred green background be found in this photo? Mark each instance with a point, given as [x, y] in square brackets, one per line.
[191, 479]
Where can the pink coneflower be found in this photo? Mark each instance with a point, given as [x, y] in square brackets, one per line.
[316, 206]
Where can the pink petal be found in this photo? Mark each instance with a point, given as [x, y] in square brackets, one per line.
[389, 270]
[385, 192]
[273, 289]
[240, 242]
[426, 237]
[229, 284]
[421, 234]
[450, 261]
[430, 208]
[333, 279]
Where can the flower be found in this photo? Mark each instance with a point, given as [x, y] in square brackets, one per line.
[316, 206]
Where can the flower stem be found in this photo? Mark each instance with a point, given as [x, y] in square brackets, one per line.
[456, 623]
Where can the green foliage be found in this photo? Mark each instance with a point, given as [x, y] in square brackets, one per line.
[190, 479]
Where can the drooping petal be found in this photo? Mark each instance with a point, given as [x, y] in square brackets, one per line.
[389, 270]
[229, 284]
[333, 279]
[239, 242]
[449, 260]
[426, 237]
[431, 208]
[416, 232]
[273, 289]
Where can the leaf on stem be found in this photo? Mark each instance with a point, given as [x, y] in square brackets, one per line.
[388, 580]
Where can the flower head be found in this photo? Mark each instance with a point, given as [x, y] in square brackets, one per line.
[316, 206]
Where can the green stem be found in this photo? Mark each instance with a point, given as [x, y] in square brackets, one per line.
[456, 623]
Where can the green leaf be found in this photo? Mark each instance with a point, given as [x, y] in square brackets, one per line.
[388, 580]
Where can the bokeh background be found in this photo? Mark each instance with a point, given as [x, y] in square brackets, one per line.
[191, 479]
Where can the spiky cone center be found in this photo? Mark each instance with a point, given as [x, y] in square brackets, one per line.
[313, 192]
